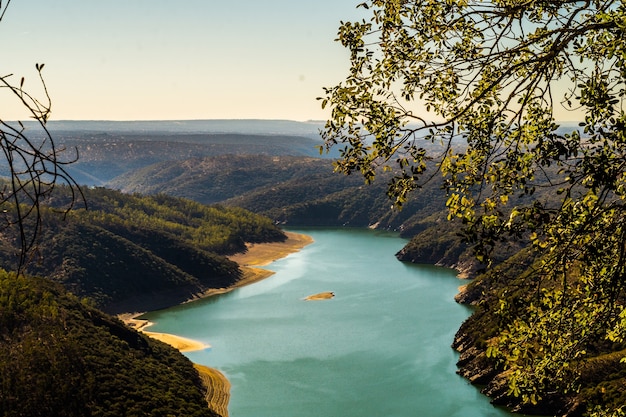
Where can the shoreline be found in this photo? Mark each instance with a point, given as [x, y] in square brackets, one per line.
[257, 254]
[217, 384]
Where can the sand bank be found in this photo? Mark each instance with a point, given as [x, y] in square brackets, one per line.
[181, 343]
[178, 342]
[327, 295]
[217, 389]
[259, 254]
[218, 386]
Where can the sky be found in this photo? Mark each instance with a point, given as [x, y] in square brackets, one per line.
[175, 60]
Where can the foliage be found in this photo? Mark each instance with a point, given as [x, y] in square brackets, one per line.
[501, 297]
[491, 77]
[60, 357]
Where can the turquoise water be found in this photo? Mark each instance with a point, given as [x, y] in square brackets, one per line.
[381, 347]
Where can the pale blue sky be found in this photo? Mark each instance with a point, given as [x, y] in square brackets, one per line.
[188, 59]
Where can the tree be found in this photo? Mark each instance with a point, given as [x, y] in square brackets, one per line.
[487, 81]
[35, 164]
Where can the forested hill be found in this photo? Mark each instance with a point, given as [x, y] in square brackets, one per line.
[128, 252]
[290, 190]
[61, 358]
[103, 150]
[304, 191]
[600, 373]
[104, 156]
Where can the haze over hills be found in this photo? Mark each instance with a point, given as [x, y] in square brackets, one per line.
[103, 150]
[241, 126]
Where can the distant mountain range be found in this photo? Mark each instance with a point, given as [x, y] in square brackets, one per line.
[244, 126]
[107, 149]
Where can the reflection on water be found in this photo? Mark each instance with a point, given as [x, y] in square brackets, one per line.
[381, 347]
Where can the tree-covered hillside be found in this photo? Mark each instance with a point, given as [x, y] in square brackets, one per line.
[500, 297]
[133, 252]
[60, 357]
[104, 156]
[296, 191]
[214, 179]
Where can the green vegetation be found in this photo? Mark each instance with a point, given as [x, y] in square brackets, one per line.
[60, 357]
[133, 253]
[109, 154]
[500, 297]
[491, 78]
[289, 190]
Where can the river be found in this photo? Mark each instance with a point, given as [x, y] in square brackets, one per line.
[380, 347]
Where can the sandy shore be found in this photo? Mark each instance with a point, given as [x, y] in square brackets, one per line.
[217, 389]
[218, 386]
[181, 343]
[258, 254]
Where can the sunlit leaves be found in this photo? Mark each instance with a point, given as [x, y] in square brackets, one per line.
[485, 80]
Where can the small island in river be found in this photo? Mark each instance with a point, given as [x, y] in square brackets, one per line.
[320, 296]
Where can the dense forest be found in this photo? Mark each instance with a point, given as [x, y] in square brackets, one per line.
[61, 357]
[128, 251]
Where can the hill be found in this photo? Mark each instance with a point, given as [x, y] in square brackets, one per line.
[61, 357]
[133, 253]
[601, 373]
[218, 178]
[303, 191]
[106, 156]
[292, 190]
[103, 150]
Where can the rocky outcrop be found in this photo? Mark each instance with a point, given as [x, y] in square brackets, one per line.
[479, 370]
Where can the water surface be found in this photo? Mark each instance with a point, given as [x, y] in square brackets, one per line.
[381, 347]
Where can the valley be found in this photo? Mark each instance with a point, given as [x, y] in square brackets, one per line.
[169, 213]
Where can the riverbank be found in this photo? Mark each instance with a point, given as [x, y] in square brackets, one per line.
[257, 254]
[260, 254]
[217, 385]
[217, 388]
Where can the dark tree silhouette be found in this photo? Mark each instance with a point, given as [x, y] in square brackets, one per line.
[34, 161]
